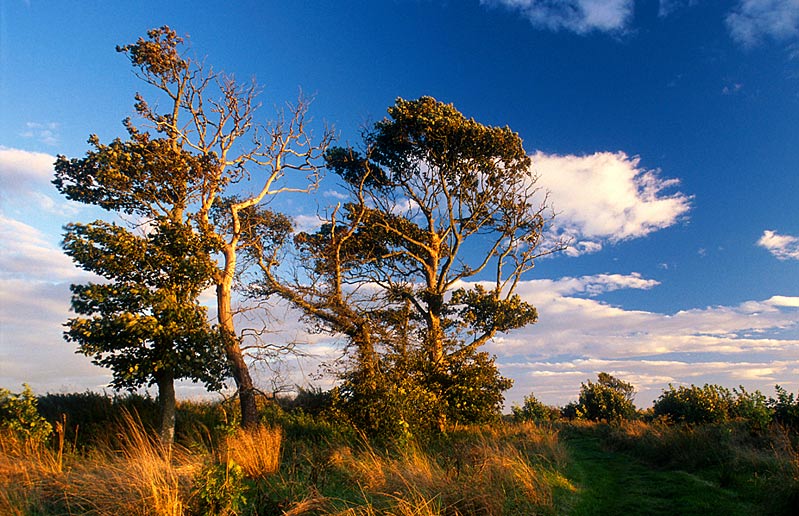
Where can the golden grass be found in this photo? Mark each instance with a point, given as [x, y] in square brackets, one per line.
[256, 450]
[140, 478]
[490, 471]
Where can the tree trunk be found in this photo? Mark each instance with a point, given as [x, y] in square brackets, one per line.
[166, 405]
[238, 367]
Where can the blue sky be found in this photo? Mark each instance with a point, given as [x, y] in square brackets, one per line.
[666, 132]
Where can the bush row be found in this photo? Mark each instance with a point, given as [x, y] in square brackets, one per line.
[610, 399]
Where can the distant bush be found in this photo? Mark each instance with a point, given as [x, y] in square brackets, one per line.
[534, 410]
[609, 399]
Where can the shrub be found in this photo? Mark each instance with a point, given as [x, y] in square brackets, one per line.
[695, 405]
[533, 410]
[785, 408]
[20, 415]
[609, 399]
[751, 407]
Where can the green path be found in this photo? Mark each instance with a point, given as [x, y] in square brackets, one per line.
[616, 484]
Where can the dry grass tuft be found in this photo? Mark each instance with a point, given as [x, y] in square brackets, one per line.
[256, 450]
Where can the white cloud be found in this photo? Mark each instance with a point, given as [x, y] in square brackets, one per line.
[307, 223]
[784, 247]
[607, 197]
[26, 252]
[580, 16]
[20, 169]
[751, 21]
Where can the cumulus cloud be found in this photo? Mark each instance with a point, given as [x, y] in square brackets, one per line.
[607, 197]
[784, 247]
[580, 16]
[751, 21]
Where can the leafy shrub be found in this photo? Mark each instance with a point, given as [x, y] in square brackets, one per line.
[695, 405]
[20, 415]
[533, 410]
[221, 489]
[785, 408]
[751, 407]
[609, 399]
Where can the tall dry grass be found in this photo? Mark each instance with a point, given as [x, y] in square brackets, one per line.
[256, 450]
[140, 477]
[484, 471]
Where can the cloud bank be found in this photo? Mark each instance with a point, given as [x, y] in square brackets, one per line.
[579, 335]
[607, 197]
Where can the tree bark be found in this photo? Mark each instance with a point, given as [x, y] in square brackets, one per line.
[166, 405]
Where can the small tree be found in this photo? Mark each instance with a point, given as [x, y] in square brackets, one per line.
[609, 399]
[144, 323]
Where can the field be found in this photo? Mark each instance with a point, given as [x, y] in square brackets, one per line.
[102, 458]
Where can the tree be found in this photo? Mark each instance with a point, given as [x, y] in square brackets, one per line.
[208, 140]
[144, 323]
[436, 199]
[609, 399]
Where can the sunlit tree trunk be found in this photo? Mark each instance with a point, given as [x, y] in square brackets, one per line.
[235, 357]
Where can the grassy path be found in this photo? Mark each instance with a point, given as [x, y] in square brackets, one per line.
[615, 484]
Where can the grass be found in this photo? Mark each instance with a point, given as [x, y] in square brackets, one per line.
[302, 465]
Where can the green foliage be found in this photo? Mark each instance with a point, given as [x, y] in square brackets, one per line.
[221, 489]
[695, 405]
[785, 408]
[19, 415]
[533, 410]
[482, 311]
[609, 399]
[473, 388]
[145, 322]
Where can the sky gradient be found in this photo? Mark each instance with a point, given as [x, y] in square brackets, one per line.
[665, 132]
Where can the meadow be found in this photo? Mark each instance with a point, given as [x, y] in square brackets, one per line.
[99, 455]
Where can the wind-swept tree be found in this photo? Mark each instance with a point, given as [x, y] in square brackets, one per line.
[436, 200]
[144, 322]
[208, 123]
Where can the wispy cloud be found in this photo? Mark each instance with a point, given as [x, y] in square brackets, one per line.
[752, 21]
[46, 133]
[667, 7]
[579, 16]
[784, 247]
[607, 197]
